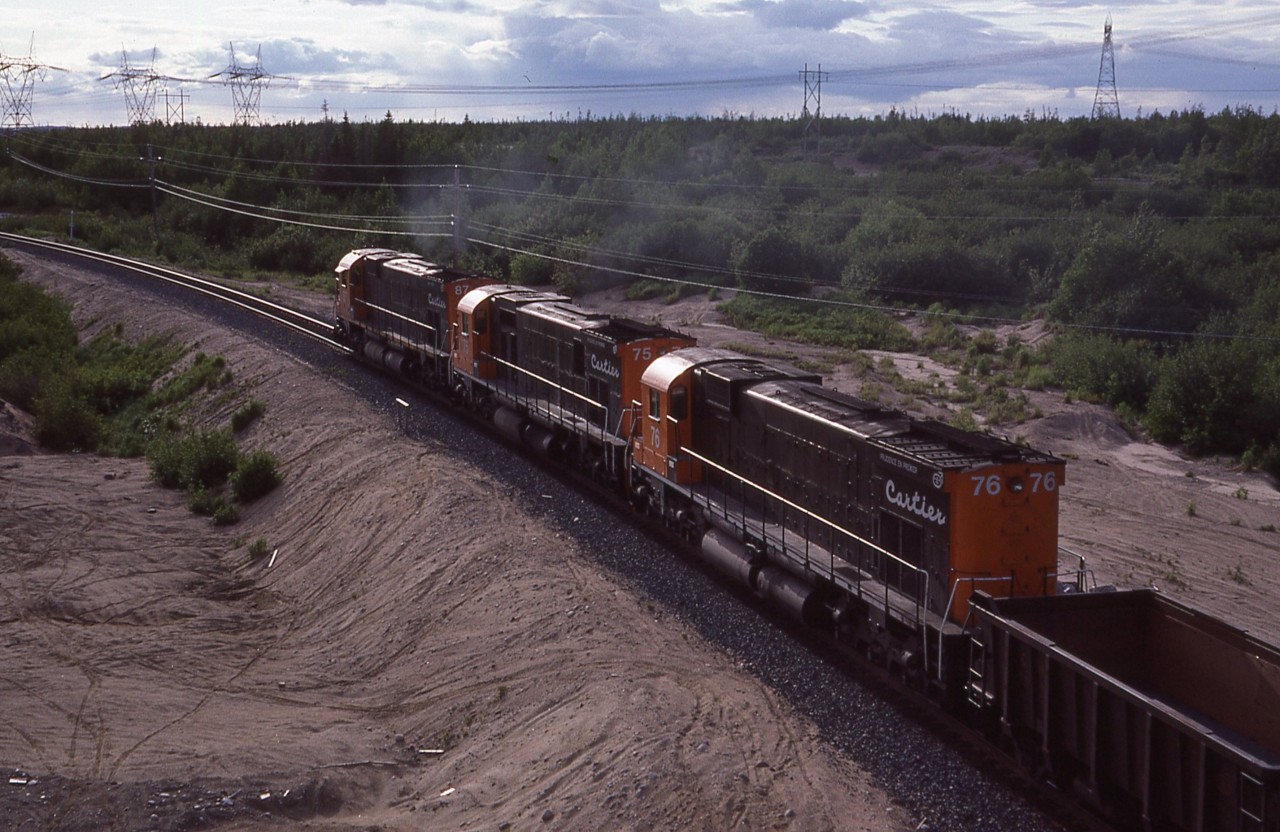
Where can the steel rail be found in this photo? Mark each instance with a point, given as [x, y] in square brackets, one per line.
[293, 319]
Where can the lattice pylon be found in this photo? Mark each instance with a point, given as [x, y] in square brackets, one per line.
[18, 77]
[812, 79]
[139, 87]
[1106, 102]
[247, 83]
[175, 110]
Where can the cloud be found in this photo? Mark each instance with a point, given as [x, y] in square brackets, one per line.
[820, 15]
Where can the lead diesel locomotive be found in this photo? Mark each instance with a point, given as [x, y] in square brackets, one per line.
[932, 551]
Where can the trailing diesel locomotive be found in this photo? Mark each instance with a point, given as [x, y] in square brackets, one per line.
[930, 550]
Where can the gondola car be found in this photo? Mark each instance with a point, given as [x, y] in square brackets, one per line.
[1155, 714]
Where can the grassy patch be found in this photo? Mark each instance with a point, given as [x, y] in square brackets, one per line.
[849, 327]
[123, 398]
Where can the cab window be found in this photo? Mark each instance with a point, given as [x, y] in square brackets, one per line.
[679, 403]
[654, 403]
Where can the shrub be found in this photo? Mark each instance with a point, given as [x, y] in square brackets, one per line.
[225, 515]
[244, 416]
[204, 502]
[254, 477]
[1104, 368]
[64, 420]
[194, 460]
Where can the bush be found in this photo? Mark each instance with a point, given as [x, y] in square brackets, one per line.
[244, 416]
[1104, 368]
[254, 477]
[204, 502]
[225, 515]
[194, 460]
[64, 421]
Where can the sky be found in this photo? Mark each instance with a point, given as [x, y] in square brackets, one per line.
[447, 60]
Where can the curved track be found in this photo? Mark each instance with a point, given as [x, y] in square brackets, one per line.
[283, 315]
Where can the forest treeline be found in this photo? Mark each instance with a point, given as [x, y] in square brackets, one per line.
[1151, 243]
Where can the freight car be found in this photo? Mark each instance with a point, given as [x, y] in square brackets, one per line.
[932, 551]
[1154, 713]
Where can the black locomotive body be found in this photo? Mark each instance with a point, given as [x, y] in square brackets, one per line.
[558, 377]
[395, 307]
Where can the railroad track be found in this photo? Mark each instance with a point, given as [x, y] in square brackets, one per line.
[299, 322]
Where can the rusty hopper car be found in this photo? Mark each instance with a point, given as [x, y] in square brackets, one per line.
[395, 308]
[1156, 714]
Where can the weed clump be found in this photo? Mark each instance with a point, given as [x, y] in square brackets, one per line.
[254, 476]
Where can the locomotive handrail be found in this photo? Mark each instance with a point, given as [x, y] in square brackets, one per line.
[1081, 570]
[392, 313]
[951, 598]
[922, 576]
[547, 381]
[601, 431]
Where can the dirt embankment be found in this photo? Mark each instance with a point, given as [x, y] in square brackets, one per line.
[417, 650]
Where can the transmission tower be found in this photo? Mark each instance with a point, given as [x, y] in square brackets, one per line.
[247, 83]
[19, 76]
[139, 86]
[812, 79]
[1106, 104]
[174, 106]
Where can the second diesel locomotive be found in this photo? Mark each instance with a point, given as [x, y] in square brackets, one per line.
[929, 549]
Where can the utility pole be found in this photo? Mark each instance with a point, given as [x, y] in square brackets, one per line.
[812, 80]
[1106, 103]
[457, 215]
[151, 175]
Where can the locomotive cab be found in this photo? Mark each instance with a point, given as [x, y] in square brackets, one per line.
[481, 342]
[349, 303]
[666, 427]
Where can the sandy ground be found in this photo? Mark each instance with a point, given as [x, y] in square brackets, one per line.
[146, 654]
[401, 660]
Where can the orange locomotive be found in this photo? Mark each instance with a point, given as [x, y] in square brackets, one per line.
[394, 308]
[844, 512]
[553, 375]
